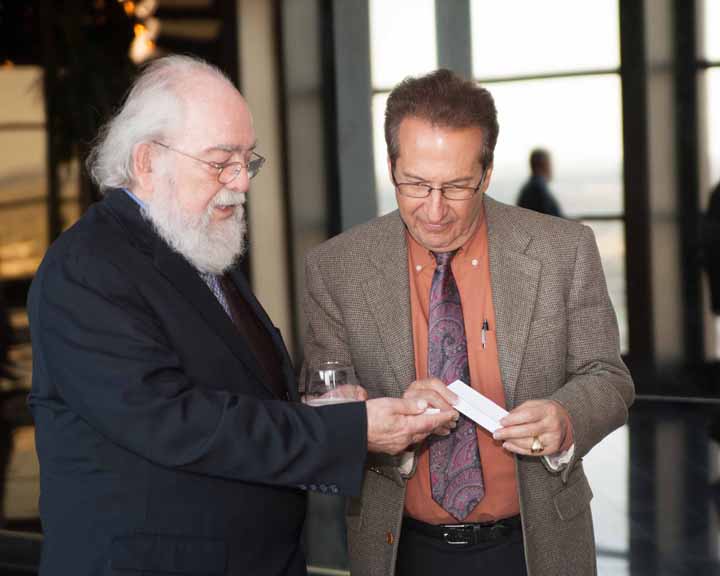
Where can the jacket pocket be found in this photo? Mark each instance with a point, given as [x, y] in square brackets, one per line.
[168, 554]
[574, 499]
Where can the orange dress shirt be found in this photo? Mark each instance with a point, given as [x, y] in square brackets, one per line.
[471, 269]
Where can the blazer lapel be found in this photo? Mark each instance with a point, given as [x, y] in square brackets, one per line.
[387, 293]
[185, 279]
[514, 277]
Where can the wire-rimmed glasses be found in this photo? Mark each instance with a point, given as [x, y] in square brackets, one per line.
[226, 173]
[448, 191]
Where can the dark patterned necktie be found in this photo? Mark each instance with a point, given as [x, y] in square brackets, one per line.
[455, 474]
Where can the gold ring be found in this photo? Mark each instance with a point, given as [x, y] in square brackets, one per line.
[536, 446]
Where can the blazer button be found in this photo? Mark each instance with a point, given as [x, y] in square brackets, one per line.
[389, 538]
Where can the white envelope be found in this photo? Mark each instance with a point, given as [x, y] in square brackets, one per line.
[477, 407]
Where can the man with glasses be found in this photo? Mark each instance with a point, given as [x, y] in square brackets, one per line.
[169, 432]
[455, 285]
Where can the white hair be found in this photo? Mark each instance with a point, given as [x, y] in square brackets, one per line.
[152, 110]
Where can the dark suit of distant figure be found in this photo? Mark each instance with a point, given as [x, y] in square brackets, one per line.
[163, 449]
[536, 195]
[711, 248]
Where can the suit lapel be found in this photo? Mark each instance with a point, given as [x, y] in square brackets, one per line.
[186, 280]
[387, 293]
[183, 277]
[514, 277]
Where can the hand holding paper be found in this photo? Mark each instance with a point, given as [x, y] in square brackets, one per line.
[438, 397]
[477, 407]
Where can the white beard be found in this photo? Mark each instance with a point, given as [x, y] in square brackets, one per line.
[211, 247]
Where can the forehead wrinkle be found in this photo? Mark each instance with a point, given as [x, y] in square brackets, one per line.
[230, 148]
[451, 181]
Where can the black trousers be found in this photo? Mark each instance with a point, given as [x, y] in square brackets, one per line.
[422, 555]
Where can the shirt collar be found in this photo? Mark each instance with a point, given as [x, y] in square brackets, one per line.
[472, 252]
[135, 198]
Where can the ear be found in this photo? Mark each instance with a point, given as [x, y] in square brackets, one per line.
[390, 169]
[142, 169]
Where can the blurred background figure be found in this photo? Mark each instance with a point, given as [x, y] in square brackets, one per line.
[535, 194]
[711, 248]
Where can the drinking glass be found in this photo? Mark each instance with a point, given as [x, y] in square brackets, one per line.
[332, 382]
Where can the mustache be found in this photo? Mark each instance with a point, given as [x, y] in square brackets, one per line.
[227, 198]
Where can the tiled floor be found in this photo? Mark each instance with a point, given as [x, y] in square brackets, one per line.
[657, 492]
[656, 483]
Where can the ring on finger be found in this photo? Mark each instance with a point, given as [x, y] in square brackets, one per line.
[536, 447]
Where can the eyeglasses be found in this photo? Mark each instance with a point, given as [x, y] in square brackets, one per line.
[448, 191]
[226, 173]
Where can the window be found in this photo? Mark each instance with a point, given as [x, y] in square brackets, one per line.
[23, 240]
[395, 53]
[709, 77]
[563, 95]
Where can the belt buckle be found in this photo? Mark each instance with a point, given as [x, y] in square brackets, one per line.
[458, 534]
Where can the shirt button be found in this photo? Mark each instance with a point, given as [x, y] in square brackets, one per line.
[474, 262]
[389, 538]
[418, 268]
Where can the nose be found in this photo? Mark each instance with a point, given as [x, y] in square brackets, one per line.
[241, 183]
[435, 206]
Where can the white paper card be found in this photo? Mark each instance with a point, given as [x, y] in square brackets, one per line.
[477, 407]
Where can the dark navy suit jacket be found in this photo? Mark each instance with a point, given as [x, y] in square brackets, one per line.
[162, 451]
[535, 195]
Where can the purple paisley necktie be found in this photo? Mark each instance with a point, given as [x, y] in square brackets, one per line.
[455, 474]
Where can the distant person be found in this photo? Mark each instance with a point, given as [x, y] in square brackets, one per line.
[711, 247]
[535, 194]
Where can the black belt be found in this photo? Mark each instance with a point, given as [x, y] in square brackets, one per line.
[473, 533]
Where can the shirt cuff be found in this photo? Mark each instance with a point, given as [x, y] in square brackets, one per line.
[407, 459]
[557, 462]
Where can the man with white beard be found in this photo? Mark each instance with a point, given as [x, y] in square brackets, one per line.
[168, 427]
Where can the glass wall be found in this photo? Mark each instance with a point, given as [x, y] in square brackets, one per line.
[395, 53]
[548, 95]
[23, 240]
[710, 132]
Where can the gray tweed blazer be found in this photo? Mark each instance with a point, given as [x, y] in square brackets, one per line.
[557, 338]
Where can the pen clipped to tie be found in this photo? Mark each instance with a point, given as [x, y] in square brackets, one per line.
[483, 334]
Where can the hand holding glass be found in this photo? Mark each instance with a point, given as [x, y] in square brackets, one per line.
[332, 383]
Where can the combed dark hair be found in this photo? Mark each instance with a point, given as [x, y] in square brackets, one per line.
[444, 99]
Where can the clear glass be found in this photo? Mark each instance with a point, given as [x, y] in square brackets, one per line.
[402, 40]
[713, 122]
[610, 237]
[711, 19]
[23, 241]
[383, 183]
[23, 187]
[331, 383]
[21, 96]
[579, 121]
[522, 37]
[712, 99]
